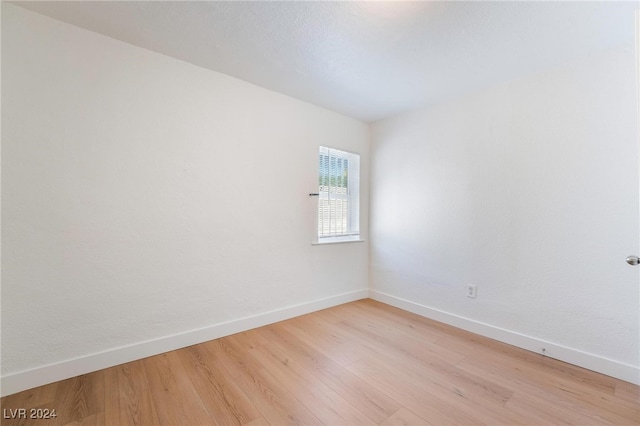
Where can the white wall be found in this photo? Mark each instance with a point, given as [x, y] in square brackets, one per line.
[119, 227]
[528, 190]
[145, 197]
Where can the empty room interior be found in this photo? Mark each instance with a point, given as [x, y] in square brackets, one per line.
[338, 213]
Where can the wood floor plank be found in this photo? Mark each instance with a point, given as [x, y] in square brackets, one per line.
[358, 363]
[596, 381]
[31, 398]
[128, 400]
[41, 397]
[277, 405]
[440, 369]
[370, 400]
[377, 405]
[546, 368]
[627, 392]
[92, 420]
[314, 359]
[401, 321]
[174, 397]
[321, 334]
[387, 342]
[448, 397]
[236, 365]
[326, 404]
[260, 421]
[478, 347]
[547, 393]
[541, 411]
[566, 386]
[385, 327]
[226, 402]
[404, 417]
[78, 397]
[412, 396]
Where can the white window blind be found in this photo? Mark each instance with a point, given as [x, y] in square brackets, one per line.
[338, 201]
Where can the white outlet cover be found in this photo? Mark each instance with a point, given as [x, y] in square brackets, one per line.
[472, 291]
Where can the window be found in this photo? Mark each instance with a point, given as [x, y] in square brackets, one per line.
[339, 196]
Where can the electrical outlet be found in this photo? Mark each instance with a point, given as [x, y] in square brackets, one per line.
[472, 291]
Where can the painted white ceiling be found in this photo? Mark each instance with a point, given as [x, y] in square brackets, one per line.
[368, 60]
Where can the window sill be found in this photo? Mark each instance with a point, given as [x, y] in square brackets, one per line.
[324, 243]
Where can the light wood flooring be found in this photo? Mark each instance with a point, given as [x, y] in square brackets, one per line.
[355, 364]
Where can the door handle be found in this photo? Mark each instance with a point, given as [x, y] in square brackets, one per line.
[633, 260]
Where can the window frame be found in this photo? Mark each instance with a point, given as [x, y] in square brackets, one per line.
[352, 232]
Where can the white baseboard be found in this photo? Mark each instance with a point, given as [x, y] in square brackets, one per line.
[39, 376]
[626, 372]
[43, 375]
